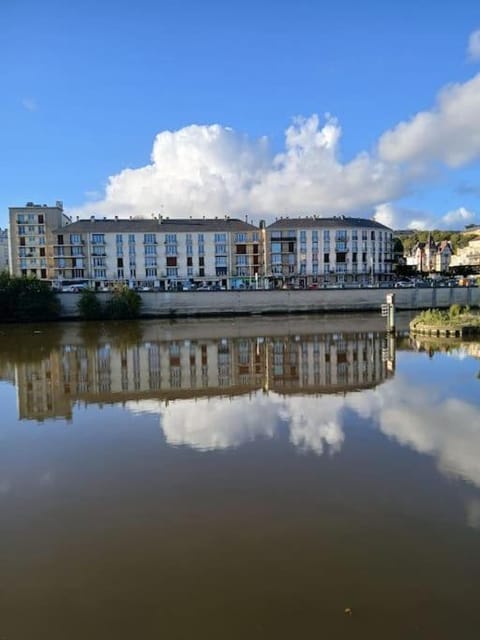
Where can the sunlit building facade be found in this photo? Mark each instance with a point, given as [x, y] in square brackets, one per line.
[328, 251]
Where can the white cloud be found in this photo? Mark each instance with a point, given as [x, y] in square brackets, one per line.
[212, 170]
[459, 216]
[397, 217]
[474, 45]
[449, 133]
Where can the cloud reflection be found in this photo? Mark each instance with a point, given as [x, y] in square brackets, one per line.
[414, 415]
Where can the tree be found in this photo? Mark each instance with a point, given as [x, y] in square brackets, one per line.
[89, 306]
[124, 304]
[27, 299]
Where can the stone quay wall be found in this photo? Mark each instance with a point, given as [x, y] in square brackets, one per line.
[212, 303]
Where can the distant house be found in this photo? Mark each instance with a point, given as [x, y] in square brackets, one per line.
[431, 256]
[468, 256]
[443, 256]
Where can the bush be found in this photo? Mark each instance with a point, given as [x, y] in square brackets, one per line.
[89, 306]
[124, 304]
[455, 310]
[27, 299]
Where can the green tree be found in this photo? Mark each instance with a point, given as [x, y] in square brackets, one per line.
[124, 304]
[89, 306]
[27, 299]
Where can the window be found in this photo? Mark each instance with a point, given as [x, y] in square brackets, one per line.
[170, 238]
[221, 249]
[326, 235]
[220, 237]
[221, 261]
[150, 261]
[326, 257]
[131, 238]
[75, 238]
[201, 249]
[149, 238]
[151, 272]
[150, 250]
[98, 238]
[171, 249]
[100, 273]
[240, 237]
[189, 249]
[171, 262]
[172, 272]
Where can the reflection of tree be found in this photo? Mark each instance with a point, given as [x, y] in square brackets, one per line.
[119, 334]
[125, 334]
[29, 343]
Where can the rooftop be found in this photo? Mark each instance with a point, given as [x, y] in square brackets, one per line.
[335, 222]
[165, 225]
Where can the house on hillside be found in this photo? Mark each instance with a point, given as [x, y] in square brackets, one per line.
[431, 256]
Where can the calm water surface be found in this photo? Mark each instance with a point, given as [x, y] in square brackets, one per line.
[238, 479]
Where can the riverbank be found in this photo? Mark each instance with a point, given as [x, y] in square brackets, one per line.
[258, 302]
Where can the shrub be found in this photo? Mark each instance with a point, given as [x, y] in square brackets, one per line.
[124, 304]
[454, 311]
[27, 299]
[89, 306]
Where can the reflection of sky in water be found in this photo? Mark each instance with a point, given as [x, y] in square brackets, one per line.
[431, 405]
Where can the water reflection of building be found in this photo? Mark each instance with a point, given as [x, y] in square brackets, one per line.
[168, 370]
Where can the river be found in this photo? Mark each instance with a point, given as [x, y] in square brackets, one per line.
[286, 477]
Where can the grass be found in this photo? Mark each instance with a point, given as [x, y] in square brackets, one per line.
[455, 317]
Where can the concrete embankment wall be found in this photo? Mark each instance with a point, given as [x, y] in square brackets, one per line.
[195, 303]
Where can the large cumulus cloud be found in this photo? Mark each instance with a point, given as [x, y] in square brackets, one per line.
[212, 170]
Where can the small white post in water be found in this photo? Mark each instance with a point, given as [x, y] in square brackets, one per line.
[388, 311]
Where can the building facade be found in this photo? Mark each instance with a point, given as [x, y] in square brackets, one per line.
[32, 240]
[468, 256]
[4, 261]
[328, 251]
[159, 253]
[171, 254]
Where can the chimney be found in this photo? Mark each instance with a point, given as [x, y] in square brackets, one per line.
[116, 218]
[92, 218]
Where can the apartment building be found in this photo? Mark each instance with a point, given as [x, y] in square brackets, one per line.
[31, 239]
[4, 250]
[161, 252]
[170, 254]
[328, 251]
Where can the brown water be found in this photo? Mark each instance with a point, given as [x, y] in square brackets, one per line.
[237, 479]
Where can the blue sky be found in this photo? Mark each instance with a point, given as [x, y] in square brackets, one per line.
[89, 87]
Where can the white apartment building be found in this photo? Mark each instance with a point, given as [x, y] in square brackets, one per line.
[166, 253]
[323, 251]
[31, 240]
[161, 253]
[3, 250]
